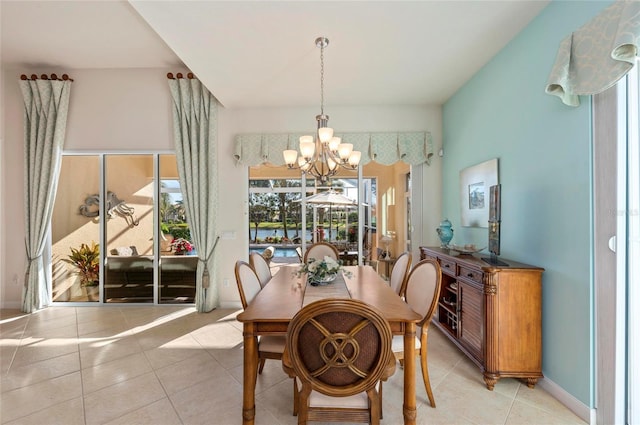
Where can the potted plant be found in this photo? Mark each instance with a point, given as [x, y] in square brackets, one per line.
[181, 246]
[86, 261]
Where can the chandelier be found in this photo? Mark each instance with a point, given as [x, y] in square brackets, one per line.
[322, 155]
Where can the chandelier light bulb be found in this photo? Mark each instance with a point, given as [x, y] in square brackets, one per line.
[306, 139]
[307, 148]
[354, 158]
[334, 143]
[304, 165]
[325, 134]
[332, 164]
[290, 157]
[344, 150]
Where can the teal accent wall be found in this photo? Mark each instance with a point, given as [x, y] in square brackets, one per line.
[544, 164]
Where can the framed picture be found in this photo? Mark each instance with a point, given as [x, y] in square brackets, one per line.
[475, 182]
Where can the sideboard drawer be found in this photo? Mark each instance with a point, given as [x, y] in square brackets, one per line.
[474, 275]
[448, 267]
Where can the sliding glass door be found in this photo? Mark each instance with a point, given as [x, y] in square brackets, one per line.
[129, 248]
[177, 260]
[75, 231]
[119, 231]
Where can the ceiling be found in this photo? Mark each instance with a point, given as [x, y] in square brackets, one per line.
[262, 53]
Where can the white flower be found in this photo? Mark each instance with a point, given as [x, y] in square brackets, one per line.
[331, 263]
[320, 269]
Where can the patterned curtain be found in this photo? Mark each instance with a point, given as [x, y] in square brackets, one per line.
[46, 104]
[597, 55]
[195, 119]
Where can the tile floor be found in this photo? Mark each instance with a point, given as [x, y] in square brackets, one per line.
[171, 365]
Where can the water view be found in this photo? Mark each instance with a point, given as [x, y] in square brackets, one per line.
[288, 252]
[279, 233]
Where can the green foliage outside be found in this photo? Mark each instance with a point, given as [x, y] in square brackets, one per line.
[178, 230]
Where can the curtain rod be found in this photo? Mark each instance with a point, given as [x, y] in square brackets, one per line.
[65, 77]
[179, 75]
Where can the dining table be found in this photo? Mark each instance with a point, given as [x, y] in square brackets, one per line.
[271, 310]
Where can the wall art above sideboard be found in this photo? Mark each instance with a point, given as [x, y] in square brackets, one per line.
[475, 182]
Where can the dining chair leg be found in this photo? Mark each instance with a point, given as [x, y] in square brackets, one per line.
[262, 361]
[380, 399]
[295, 397]
[303, 405]
[376, 411]
[425, 372]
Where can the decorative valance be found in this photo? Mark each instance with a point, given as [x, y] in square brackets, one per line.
[384, 148]
[597, 55]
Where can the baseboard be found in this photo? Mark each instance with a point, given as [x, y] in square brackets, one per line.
[576, 406]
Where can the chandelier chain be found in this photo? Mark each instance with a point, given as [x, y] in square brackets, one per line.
[322, 155]
[322, 79]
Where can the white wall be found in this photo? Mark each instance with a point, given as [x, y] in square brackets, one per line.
[130, 110]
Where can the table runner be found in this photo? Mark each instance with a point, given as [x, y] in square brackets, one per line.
[336, 289]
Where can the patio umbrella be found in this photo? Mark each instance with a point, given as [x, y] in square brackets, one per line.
[329, 199]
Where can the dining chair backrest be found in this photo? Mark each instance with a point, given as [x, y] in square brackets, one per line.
[248, 282]
[423, 289]
[339, 348]
[320, 250]
[261, 267]
[421, 293]
[400, 272]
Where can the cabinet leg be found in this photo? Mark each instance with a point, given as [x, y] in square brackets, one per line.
[531, 382]
[490, 380]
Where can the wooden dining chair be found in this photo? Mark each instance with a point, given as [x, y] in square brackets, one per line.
[269, 346]
[399, 273]
[319, 250]
[261, 267]
[338, 350]
[422, 293]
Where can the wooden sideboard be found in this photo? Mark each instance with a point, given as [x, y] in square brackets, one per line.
[492, 313]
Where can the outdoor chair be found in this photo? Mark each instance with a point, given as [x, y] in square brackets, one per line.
[338, 350]
[268, 254]
[269, 346]
[422, 293]
[299, 252]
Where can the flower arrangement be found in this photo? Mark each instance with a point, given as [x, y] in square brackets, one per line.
[353, 234]
[181, 246]
[320, 272]
[86, 260]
